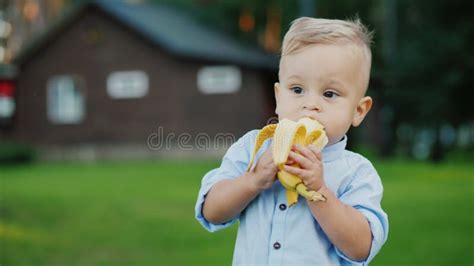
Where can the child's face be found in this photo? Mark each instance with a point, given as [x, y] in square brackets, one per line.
[326, 83]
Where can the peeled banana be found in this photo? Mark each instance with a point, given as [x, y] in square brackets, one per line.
[286, 133]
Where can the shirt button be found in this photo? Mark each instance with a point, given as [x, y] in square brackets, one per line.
[282, 207]
[276, 245]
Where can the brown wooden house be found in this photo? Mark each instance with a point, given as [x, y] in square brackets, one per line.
[109, 72]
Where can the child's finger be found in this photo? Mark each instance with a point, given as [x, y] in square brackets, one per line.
[300, 159]
[307, 152]
[316, 151]
[319, 155]
[294, 170]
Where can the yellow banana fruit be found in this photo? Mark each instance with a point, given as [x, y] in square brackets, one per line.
[286, 133]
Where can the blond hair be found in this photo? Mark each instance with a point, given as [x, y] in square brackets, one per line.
[305, 31]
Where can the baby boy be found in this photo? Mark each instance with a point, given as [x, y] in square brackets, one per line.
[324, 75]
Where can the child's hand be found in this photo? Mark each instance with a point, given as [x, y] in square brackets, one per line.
[265, 171]
[310, 161]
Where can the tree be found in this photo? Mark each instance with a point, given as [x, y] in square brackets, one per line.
[433, 56]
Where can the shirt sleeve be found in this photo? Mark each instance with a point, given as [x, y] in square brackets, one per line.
[233, 165]
[364, 193]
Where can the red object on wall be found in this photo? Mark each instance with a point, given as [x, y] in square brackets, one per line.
[6, 88]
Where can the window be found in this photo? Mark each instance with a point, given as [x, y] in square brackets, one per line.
[7, 107]
[65, 100]
[219, 79]
[127, 84]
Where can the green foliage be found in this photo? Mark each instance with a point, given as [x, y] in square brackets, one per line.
[142, 213]
[432, 62]
[12, 152]
[460, 155]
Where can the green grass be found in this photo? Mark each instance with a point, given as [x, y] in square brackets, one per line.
[125, 213]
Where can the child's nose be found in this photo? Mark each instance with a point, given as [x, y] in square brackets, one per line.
[312, 105]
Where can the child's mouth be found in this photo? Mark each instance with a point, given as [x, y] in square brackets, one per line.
[313, 118]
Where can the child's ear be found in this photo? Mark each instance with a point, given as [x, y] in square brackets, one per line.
[276, 87]
[277, 91]
[363, 107]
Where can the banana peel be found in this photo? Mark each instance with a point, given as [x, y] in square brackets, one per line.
[285, 134]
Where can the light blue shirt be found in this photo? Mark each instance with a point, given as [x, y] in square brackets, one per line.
[270, 233]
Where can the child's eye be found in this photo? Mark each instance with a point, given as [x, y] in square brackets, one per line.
[297, 90]
[330, 94]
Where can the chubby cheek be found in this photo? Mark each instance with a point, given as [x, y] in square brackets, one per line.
[334, 134]
[336, 126]
[288, 110]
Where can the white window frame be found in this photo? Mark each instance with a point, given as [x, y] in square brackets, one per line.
[65, 100]
[7, 107]
[130, 84]
[219, 79]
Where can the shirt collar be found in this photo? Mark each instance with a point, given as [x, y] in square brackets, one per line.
[334, 151]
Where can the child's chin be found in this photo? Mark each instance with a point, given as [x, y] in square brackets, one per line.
[334, 140]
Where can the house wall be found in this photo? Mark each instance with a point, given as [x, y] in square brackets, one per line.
[173, 101]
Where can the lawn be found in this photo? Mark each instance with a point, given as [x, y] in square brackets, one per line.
[142, 213]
